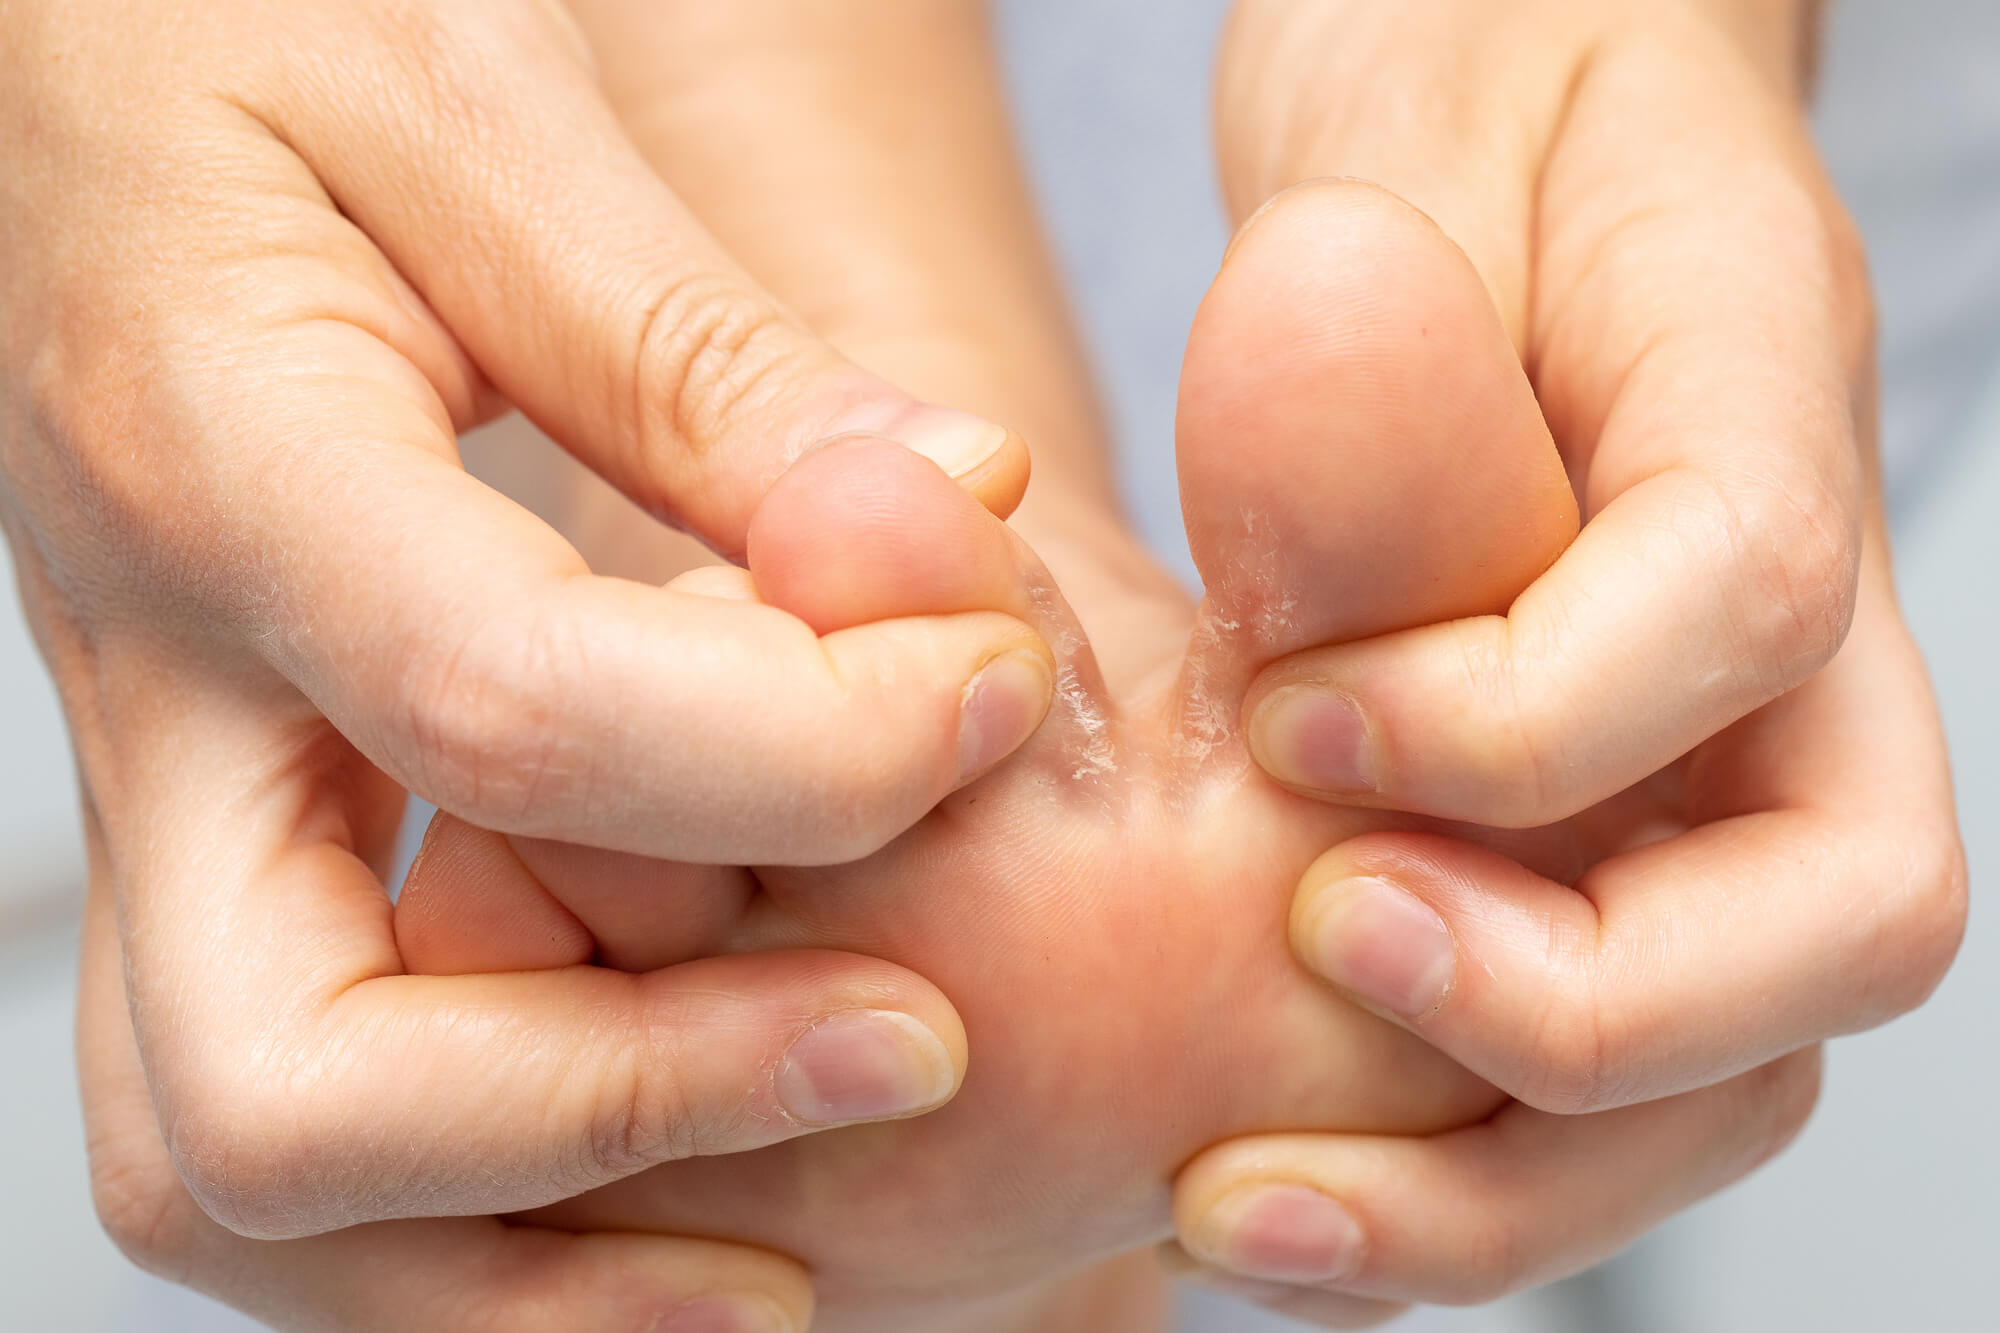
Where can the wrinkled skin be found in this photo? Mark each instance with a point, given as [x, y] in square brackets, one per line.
[1359, 451]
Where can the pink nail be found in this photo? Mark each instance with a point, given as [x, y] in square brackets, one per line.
[1000, 709]
[1384, 945]
[867, 1065]
[1280, 1233]
[725, 1314]
[1309, 737]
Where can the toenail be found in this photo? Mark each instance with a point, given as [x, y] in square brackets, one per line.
[1305, 736]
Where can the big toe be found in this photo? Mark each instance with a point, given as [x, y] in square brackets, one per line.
[1359, 447]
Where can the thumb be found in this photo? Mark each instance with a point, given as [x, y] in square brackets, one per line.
[585, 289]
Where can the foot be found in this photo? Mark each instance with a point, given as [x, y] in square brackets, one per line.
[1107, 910]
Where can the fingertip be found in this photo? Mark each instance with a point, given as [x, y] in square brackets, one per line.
[984, 458]
[1312, 738]
[469, 905]
[1001, 481]
[652, 1284]
[1278, 1231]
[1003, 706]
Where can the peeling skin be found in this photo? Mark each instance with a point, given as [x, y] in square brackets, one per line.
[1076, 690]
[1259, 597]
[1262, 580]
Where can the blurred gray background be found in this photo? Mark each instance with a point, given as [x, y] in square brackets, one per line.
[1882, 1216]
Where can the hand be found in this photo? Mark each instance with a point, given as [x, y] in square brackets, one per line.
[263, 261]
[469, 1273]
[1637, 188]
[1102, 909]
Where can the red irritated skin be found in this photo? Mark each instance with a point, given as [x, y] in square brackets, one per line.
[1359, 452]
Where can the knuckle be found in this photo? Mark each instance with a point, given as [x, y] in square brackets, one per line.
[632, 1123]
[879, 799]
[1798, 540]
[1494, 1261]
[1575, 1061]
[481, 724]
[1516, 755]
[1919, 936]
[247, 1160]
[1565, 1070]
[708, 352]
[871, 781]
[647, 1112]
[145, 1212]
[1784, 1095]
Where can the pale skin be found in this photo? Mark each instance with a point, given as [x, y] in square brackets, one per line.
[620, 1276]
[919, 1251]
[1638, 189]
[1104, 911]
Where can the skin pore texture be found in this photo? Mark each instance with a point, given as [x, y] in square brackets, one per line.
[1359, 451]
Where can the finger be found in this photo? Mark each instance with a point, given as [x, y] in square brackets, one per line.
[310, 1085]
[501, 681]
[478, 1275]
[1467, 1217]
[462, 909]
[579, 282]
[1820, 891]
[857, 530]
[478, 901]
[1699, 326]
[458, 640]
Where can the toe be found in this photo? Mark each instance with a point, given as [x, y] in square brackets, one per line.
[1359, 447]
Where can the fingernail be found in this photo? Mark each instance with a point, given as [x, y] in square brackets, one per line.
[726, 1314]
[958, 442]
[866, 1065]
[1000, 709]
[1384, 945]
[1280, 1233]
[1310, 737]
